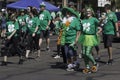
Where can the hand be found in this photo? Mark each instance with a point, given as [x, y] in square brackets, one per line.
[23, 23]
[33, 35]
[47, 27]
[9, 37]
[72, 44]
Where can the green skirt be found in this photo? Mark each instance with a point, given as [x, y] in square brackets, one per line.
[89, 40]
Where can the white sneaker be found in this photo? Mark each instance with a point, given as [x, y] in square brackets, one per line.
[70, 69]
[57, 56]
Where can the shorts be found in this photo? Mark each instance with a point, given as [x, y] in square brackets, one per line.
[107, 39]
[45, 34]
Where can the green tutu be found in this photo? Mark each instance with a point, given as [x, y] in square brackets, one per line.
[89, 40]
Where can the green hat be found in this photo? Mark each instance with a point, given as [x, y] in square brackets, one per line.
[42, 4]
[71, 10]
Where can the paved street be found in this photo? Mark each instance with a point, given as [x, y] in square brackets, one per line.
[48, 68]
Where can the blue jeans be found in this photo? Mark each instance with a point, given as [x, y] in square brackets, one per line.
[69, 51]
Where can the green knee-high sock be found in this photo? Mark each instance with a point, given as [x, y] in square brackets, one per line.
[89, 55]
[86, 60]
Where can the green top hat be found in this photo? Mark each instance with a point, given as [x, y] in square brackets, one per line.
[67, 9]
[42, 4]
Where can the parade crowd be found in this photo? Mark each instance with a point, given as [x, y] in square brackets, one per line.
[23, 31]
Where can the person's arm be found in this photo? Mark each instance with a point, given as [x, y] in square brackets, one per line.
[77, 36]
[49, 19]
[117, 29]
[115, 20]
[9, 37]
[37, 27]
[99, 30]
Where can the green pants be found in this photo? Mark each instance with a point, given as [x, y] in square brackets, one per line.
[88, 56]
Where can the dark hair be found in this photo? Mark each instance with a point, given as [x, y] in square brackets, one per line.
[12, 17]
[34, 12]
[30, 7]
[108, 6]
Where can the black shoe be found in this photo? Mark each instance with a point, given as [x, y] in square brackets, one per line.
[4, 63]
[76, 67]
[21, 61]
[97, 59]
[110, 61]
[48, 49]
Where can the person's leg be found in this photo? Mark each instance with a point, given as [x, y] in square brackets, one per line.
[110, 52]
[36, 40]
[47, 35]
[89, 55]
[97, 49]
[28, 46]
[76, 63]
[66, 52]
[94, 68]
[18, 49]
[71, 54]
[27, 53]
[5, 58]
[58, 51]
[109, 47]
[98, 53]
[40, 42]
[86, 61]
[64, 55]
[42, 35]
[70, 58]
[6, 52]
[48, 43]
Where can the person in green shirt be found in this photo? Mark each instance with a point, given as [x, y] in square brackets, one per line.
[88, 40]
[22, 23]
[58, 30]
[72, 31]
[45, 19]
[110, 28]
[33, 32]
[12, 39]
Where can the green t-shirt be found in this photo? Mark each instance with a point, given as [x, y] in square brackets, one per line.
[44, 17]
[21, 20]
[109, 27]
[57, 24]
[89, 26]
[11, 26]
[71, 30]
[32, 24]
[27, 17]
